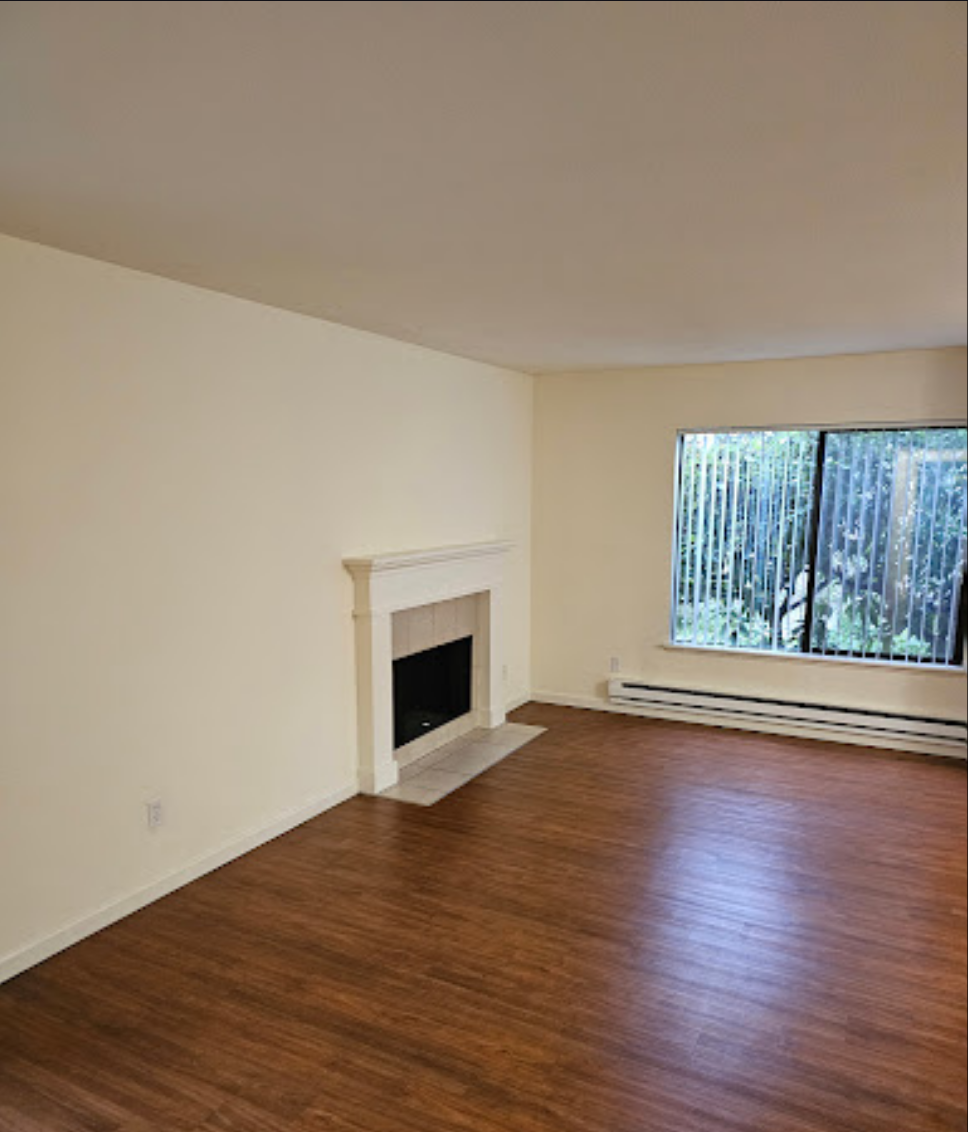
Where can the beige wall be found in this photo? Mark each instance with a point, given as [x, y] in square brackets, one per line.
[180, 476]
[603, 511]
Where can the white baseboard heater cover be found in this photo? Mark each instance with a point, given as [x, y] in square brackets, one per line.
[725, 706]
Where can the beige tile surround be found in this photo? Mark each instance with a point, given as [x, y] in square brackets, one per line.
[427, 626]
[423, 627]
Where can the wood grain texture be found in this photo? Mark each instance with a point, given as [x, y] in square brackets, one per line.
[627, 926]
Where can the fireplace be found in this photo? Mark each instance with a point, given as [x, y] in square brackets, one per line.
[409, 603]
[431, 688]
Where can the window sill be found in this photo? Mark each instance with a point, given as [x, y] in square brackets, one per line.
[809, 658]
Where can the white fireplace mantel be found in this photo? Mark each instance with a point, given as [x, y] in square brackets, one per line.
[388, 583]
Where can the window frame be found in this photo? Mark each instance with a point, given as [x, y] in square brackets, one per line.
[807, 650]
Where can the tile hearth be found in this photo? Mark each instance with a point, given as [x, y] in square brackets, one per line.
[445, 770]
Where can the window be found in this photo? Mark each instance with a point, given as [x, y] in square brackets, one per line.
[839, 543]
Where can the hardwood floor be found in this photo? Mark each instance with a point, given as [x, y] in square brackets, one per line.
[627, 926]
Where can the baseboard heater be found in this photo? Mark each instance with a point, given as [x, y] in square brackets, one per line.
[724, 706]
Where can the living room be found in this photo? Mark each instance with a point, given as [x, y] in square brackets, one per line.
[623, 342]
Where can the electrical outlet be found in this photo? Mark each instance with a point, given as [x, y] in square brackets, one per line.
[155, 813]
[613, 665]
[504, 673]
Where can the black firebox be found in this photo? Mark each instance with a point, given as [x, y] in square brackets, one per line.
[431, 688]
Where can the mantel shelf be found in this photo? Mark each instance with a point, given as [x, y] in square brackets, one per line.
[435, 556]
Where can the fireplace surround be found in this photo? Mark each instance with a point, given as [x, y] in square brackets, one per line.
[410, 601]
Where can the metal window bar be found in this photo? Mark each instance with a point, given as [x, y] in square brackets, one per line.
[757, 512]
[902, 494]
[875, 550]
[699, 540]
[719, 625]
[913, 569]
[779, 581]
[683, 506]
[933, 462]
[744, 530]
[848, 560]
[731, 552]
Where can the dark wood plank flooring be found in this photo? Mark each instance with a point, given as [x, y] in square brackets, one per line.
[628, 926]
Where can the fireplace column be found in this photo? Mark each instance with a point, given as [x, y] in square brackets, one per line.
[374, 701]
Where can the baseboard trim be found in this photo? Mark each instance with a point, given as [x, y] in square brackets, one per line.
[518, 701]
[737, 722]
[21, 960]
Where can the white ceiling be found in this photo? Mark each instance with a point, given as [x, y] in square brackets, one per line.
[545, 185]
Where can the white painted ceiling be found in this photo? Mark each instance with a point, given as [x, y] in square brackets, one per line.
[545, 185]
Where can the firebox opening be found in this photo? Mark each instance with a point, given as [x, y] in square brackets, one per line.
[430, 689]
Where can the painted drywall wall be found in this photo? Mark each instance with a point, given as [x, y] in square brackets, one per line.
[603, 514]
[181, 474]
